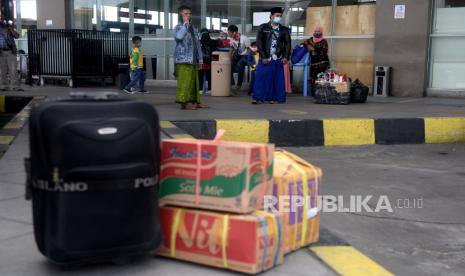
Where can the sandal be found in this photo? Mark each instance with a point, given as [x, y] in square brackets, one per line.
[189, 107]
[202, 106]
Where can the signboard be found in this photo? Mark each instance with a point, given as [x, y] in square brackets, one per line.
[399, 12]
[136, 15]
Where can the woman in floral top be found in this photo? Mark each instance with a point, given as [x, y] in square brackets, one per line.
[318, 48]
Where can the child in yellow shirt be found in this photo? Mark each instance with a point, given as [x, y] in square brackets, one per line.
[136, 62]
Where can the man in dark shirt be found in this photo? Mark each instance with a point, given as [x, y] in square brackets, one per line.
[274, 47]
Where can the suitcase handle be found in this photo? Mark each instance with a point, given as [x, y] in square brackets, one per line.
[94, 96]
[27, 165]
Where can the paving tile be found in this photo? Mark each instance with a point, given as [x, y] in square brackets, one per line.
[11, 229]
[301, 263]
[16, 210]
[9, 191]
[13, 178]
[21, 257]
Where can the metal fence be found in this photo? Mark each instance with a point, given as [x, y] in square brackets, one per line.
[76, 53]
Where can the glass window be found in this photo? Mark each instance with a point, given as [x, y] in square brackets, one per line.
[258, 12]
[26, 16]
[106, 15]
[448, 41]
[222, 13]
[450, 16]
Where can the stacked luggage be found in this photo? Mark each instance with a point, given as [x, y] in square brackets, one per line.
[221, 204]
[97, 176]
[335, 88]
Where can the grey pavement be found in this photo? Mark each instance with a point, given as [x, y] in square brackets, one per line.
[422, 241]
[427, 241]
[297, 107]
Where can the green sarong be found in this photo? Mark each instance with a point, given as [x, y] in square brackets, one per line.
[188, 84]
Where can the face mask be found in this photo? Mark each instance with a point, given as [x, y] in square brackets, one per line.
[253, 49]
[318, 35]
[277, 20]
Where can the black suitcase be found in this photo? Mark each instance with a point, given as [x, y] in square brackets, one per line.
[93, 178]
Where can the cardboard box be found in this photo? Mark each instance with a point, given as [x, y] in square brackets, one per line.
[228, 177]
[244, 243]
[301, 223]
[340, 87]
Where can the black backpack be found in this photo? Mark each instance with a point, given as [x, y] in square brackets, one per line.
[207, 53]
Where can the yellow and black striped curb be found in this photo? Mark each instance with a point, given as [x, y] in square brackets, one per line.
[172, 131]
[20, 105]
[343, 258]
[332, 132]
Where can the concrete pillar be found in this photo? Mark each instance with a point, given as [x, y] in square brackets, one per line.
[53, 14]
[403, 44]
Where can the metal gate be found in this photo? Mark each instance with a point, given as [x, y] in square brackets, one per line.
[76, 54]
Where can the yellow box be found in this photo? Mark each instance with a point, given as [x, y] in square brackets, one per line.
[301, 223]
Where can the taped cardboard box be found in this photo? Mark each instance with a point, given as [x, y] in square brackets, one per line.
[226, 176]
[244, 243]
[296, 203]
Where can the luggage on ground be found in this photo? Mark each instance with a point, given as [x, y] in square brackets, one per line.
[226, 176]
[290, 172]
[249, 243]
[332, 93]
[359, 92]
[93, 179]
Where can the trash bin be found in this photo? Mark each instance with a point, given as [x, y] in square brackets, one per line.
[382, 81]
[123, 75]
[221, 74]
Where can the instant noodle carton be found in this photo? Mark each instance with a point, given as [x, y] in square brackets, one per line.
[244, 243]
[295, 196]
[226, 176]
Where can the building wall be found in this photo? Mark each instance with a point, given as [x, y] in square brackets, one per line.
[403, 45]
[57, 11]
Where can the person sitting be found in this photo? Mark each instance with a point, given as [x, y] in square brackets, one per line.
[239, 51]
